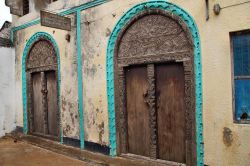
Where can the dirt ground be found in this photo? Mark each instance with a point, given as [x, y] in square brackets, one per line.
[23, 154]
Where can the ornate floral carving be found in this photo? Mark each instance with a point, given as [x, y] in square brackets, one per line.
[153, 35]
[152, 111]
[41, 54]
[41, 57]
[183, 18]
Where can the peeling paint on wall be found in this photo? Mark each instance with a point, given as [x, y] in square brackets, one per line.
[94, 78]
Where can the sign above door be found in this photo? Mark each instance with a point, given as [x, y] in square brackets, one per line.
[53, 20]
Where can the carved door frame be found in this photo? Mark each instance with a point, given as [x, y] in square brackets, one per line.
[187, 58]
[32, 67]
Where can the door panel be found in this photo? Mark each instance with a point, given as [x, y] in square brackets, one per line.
[171, 112]
[137, 111]
[37, 103]
[52, 103]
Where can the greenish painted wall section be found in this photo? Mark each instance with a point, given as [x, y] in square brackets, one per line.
[159, 4]
[37, 36]
[79, 74]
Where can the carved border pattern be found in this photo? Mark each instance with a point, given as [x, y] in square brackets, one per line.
[25, 76]
[175, 56]
[188, 20]
[152, 111]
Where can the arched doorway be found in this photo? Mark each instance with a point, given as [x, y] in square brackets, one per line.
[160, 55]
[42, 90]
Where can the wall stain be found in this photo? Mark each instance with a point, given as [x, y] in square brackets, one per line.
[108, 32]
[227, 136]
[70, 118]
[101, 131]
[95, 124]
[92, 71]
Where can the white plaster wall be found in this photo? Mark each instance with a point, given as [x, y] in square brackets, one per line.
[7, 90]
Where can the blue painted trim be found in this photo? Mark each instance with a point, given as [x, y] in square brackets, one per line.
[159, 4]
[79, 74]
[66, 12]
[37, 36]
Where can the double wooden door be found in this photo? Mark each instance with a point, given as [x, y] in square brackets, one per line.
[44, 112]
[155, 96]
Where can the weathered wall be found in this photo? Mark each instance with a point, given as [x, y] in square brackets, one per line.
[68, 98]
[219, 127]
[97, 24]
[7, 92]
[226, 143]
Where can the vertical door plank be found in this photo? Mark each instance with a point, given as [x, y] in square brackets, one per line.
[37, 103]
[45, 103]
[52, 103]
[137, 111]
[171, 112]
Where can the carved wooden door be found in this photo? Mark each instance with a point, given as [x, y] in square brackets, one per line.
[168, 88]
[37, 104]
[52, 103]
[155, 88]
[170, 112]
[42, 90]
[45, 104]
[137, 111]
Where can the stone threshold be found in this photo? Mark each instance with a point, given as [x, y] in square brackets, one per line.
[97, 159]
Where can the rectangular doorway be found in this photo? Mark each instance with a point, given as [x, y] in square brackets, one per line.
[44, 112]
[163, 93]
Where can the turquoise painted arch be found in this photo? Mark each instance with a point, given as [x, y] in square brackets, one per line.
[163, 5]
[34, 38]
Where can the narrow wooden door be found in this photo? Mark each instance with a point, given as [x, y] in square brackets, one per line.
[52, 103]
[171, 112]
[38, 114]
[45, 104]
[137, 111]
